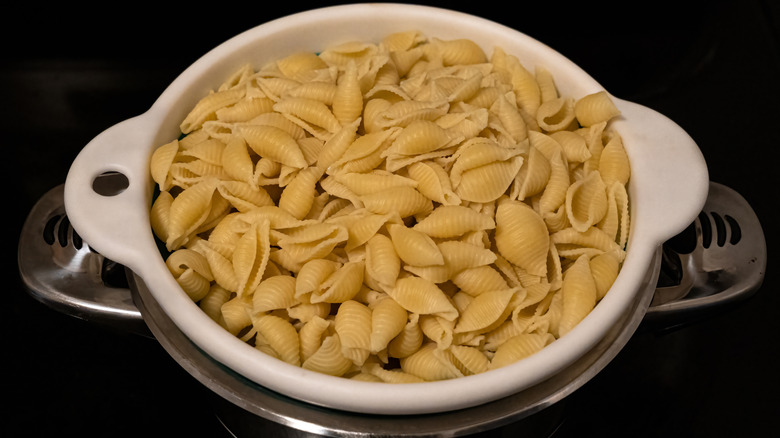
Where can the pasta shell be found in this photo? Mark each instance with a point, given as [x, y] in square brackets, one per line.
[250, 257]
[449, 221]
[353, 326]
[388, 319]
[578, 293]
[274, 143]
[414, 247]
[433, 182]
[405, 201]
[519, 347]
[522, 237]
[348, 100]
[586, 201]
[382, 262]
[418, 295]
[277, 292]
[595, 108]
[485, 310]
[281, 336]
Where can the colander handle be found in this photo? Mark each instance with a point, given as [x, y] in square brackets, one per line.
[106, 183]
[669, 158]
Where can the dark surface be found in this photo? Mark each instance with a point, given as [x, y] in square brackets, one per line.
[713, 70]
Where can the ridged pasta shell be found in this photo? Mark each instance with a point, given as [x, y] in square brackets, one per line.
[613, 163]
[605, 268]
[298, 196]
[556, 114]
[522, 237]
[250, 257]
[421, 296]
[414, 247]
[353, 326]
[579, 294]
[382, 262]
[160, 164]
[479, 279]
[484, 310]
[245, 109]
[427, 365]
[388, 320]
[312, 115]
[457, 257]
[281, 336]
[329, 359]
[595, 108]
[188, 211]
[421, 136]
[447, 221]
[206, 108]
[274, 143]
[406, 201]
[341, 285]
[586, 201]
[433, 182]
[519, 347]
[348, 100]
[276, 292]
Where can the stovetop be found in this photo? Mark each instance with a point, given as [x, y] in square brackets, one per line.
[713, 69]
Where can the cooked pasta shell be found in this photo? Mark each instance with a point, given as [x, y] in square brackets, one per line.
[305, 312]
[556, 114]
[593, 238]
[244, 196]
[329, 359]
[406, 201]
[281, 336]
[274, 143]
[447, 221]
[188, 211]
[418, 295]
[487, 183]
[554, 194]
[519, 347]
[579, 294]
[160, 215]
[613, 163]
[433, 182]
[428, 365]
[245, 109]
[160, 164]
[586, 201]
[595, 108]
[438, 330]
[191, 271]
[236, 314]
[273, 293]
[409, 340]
[414, 247]
[477, 280]
[298, 196]
[363, 183]
[297, 64]
[522, 237]
[392, 375]
[207, 107]
[422, 136]
[616, 220]
[250, 257]
[457, 257]
[574, 146]
[388, 319]
[382, 262]
[341, 285]
[236, 160]
[312, 115]
[312, 334]
[211, 303]
[353, 326]
[484, 310]
[605, 268]
[532, 178]
[348, 100]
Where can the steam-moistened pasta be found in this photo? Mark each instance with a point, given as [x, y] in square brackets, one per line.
[397, 211]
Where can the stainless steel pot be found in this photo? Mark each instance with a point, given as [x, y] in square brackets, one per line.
[717, 261]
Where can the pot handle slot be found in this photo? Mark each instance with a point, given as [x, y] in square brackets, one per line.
[670, 165]
[718, 261]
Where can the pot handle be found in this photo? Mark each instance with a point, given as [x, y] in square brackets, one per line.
[106, 183]
[669, 157]
[718, 261]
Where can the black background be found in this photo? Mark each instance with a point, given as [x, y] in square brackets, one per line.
[73, 72]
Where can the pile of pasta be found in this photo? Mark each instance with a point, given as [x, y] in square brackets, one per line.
[398, 211]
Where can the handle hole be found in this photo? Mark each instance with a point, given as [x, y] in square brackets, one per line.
[110, 183]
